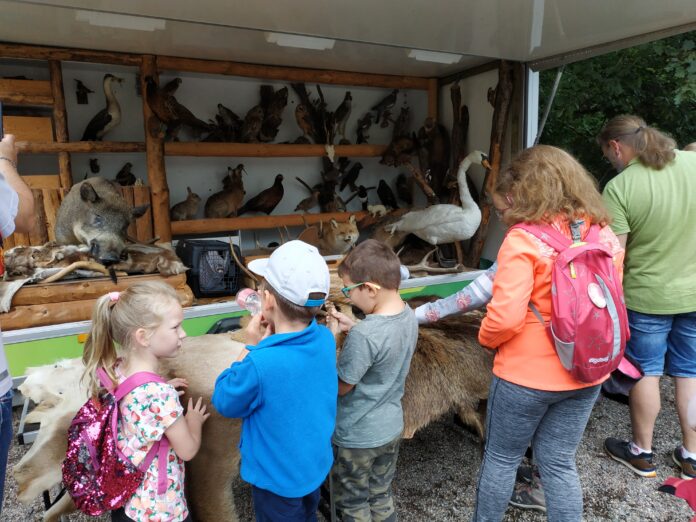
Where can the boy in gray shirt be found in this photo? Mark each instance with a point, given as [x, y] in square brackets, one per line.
[372, 369]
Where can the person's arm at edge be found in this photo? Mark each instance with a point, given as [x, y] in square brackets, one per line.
[237, 391]
[25, 219]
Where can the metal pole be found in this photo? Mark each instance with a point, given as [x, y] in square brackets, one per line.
[549, 104]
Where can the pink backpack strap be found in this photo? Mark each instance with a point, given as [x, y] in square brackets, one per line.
[547, 234]
[159, 448]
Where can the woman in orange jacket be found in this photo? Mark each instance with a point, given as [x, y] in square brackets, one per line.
[533, 399]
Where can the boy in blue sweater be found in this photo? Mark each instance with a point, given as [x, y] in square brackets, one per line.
[284, 387]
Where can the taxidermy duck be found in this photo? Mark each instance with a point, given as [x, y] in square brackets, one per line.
[440, 224]
[107, 118]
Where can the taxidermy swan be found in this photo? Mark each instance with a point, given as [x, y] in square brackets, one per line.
[445, 223]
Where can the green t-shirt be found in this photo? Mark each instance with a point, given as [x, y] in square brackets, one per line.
[657, 209]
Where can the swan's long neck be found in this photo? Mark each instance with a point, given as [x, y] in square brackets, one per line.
[464, 194]
[111, 101]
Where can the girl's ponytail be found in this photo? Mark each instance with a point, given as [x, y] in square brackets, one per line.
[100, 351]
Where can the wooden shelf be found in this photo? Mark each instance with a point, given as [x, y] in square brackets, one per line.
[269, 150]
[206, 226]
[26, 92]
[34, 147]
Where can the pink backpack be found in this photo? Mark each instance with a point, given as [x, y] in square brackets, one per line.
[589, 323]
[96, 474]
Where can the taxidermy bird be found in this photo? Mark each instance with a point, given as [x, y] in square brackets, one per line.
[401, 123]
[364, 125]
[386, 196]
[168, 109]
[125, 177]
[266, 200]
[304, 121]
[386, 104]
[404, 188]
[81, 92]
[310, 201]
[350, 177]
[273, 115]
[107, 118]
[94, 165]
[171, 86]
[230, 121]
[252, 124]
[342, 114]
[446, 223]
[361, 194]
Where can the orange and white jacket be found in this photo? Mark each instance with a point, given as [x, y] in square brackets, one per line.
[524, 352]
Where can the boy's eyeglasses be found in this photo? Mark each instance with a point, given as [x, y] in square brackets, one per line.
[346, 289]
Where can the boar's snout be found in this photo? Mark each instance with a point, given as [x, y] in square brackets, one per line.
[105, 255]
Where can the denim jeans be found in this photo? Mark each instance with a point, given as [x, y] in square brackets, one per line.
[553, 421]
[5, 438]
[663, 343]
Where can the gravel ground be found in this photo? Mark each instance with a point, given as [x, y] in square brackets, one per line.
[436, 476]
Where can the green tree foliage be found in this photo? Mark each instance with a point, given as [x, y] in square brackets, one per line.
[656, 81]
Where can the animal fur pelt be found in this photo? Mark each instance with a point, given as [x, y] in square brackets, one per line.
[31, 264]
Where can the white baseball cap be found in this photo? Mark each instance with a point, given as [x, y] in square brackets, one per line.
[295, 270]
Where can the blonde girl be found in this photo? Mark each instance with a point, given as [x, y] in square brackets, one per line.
[131, 331]
[533, 399]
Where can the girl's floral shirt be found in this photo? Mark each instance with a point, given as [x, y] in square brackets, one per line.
[145, 414]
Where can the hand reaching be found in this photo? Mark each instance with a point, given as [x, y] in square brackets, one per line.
[196, 413]
[177, 383]
[8, 149]
[338, 322]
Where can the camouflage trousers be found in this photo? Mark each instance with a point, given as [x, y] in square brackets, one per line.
[362, 480]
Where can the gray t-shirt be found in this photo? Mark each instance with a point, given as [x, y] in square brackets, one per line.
[376, 357]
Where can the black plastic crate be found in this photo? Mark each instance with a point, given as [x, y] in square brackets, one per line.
[213, 271]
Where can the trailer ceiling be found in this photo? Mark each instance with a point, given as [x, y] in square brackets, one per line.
[371, 36]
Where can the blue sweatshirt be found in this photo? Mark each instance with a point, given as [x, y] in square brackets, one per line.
[285, 391]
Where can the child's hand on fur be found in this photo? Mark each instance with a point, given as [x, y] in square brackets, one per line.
[196, 414]
[178, 382]
[338, 322]
[257, 330]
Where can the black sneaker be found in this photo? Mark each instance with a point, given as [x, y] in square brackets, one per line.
[527, 496]
[687, 465]
[641, 464]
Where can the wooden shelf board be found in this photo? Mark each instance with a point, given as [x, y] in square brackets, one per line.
[26, 92]
[30, 147]
[267, 150]
[206, 226]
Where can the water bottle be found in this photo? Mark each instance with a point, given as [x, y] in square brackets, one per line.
[250, 300]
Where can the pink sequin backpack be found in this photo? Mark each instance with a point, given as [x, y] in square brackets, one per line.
[589, 322]
[96, 474]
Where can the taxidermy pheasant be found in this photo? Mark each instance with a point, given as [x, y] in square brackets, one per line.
[107, 118]
[445, 223]
[266, 200]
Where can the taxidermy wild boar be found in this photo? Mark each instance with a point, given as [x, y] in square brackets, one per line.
[94, 213]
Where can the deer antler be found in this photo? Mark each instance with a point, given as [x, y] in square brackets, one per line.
[241, 265]
[84, 265]
[424, 267]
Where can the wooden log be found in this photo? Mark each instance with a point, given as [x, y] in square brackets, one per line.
[9, 242]
[16, 239]
[433, 98]
[64, 312]
[143, 225]
[25, 92]
[290, 74]
[156, 171]
[51, 201]
[29, 128]
[39, 234]
[38, 52]
[30, 146]
[42, 181]
[127, 193]
[507, 78]
[423, 184]
[204, 226]
[85, 289]
[60, 122]
[265, 150]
